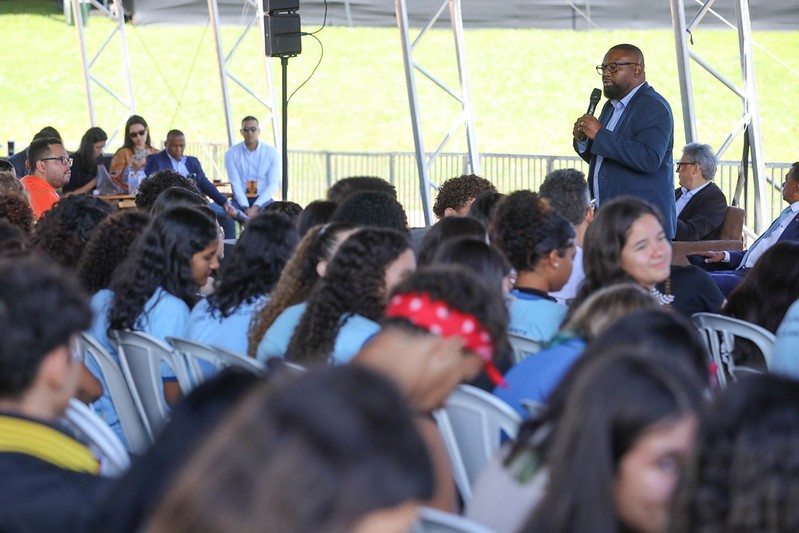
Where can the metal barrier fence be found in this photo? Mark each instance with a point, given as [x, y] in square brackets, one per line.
[312, 173]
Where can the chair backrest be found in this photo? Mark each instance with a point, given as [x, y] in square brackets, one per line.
[101, 439]
[732, 228]
[523, 347]
[136, 430]
[474, 424]
[435, 521]
[141, 355]
[195, 352]
[718, 333]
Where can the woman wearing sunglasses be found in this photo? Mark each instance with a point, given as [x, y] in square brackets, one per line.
[134, 151]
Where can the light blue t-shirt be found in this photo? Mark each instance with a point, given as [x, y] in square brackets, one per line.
[534, 316]
[785, 357]
[164, 315]
[355, 331]
[230, 332]
[537, 376]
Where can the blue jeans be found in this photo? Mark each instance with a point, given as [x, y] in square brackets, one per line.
[228, 224]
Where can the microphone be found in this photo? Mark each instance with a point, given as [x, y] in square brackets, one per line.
[596, 94]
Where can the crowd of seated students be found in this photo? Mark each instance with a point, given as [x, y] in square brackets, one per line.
[617, 443]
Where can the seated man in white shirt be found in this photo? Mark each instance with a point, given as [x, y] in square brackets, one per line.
[735, 265]
[567, 192]
[252, 165]
[701, 206]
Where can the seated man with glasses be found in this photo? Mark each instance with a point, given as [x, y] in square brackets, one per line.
[49, 480]
[252, 166]
[701, 206]
[629, 148]
[49, 165]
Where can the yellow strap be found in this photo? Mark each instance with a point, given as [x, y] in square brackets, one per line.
[46, 443]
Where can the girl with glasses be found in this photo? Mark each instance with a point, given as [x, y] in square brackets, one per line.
[134, 151]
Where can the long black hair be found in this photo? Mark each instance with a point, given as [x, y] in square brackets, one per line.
[161, 258]
[86, 150]
[255, 264]
[354, 283]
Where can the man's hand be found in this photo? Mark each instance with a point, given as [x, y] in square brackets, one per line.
[253, 210]
[589, 126]
[577, 130]
[710, 256]
[230, 210]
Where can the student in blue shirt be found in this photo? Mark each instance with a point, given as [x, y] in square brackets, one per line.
[248, 276]
[347, 303]
[539, 243]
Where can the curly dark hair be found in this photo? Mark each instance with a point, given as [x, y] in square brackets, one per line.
[460, 289]
[372, 208]
[157, 183]
[255, 263]
[16, 209]
[567, 192]
[64, 230]
[109, 246]
[297, 278]
[13, 242]
[41, 308]
[345, 187]
[445, 230]
[161, 258]
[604, 241]
[315, 213]
[744, 471]
[527, 229]
[288, 209]
[456, 193]
[354, 283]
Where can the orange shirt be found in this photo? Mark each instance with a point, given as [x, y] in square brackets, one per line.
[41, 193]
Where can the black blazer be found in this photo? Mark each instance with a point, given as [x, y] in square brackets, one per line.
[702, 216]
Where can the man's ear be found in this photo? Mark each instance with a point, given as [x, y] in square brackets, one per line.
[589, 214]
[54, 368]
[449, 212]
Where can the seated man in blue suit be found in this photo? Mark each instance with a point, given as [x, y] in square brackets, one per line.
[734, 264]
[701, 206]
[629, 148]
[172, 158]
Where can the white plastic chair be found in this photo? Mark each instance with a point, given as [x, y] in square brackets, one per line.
[435, 521]
[136, 430]
[523, 347]
[195, 352]
[718, 332]
[101, 439]
[474, 424]
[140, 355]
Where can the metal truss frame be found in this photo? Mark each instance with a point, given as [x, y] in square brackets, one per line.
[465, 118]
[117, 14]
[749, 122]
[225, 73]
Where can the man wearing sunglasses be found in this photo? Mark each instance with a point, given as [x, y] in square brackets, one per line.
[50, 165]
[252, 167]
[629, 148]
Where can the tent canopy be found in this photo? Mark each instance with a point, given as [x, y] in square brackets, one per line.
[549, 14]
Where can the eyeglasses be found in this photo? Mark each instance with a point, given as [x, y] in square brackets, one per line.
[64, 160]
[139, 133]
[252, 129]
[679, 164]
[613, 67]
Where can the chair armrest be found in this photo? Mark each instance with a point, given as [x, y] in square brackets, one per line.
[680, 249]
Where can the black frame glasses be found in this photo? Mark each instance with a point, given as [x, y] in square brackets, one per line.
[613, 66]
[679, 164]
[64, 160]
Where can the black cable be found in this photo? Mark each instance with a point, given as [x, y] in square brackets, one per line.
[324, 22]
[321, 55]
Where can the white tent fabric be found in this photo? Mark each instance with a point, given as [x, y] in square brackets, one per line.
[551, 14]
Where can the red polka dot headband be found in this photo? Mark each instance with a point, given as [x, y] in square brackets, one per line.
[440, 319]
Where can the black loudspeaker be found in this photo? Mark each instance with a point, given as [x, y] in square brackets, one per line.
[282, 28]
[270, 6]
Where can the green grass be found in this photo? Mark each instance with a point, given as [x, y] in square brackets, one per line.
[528, 86]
